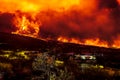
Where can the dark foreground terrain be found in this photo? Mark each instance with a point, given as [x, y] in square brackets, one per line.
[26, 58]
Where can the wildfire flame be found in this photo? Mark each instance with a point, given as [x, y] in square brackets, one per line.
[26, 27]
[30, 18]
[116, 43]
[95, 42]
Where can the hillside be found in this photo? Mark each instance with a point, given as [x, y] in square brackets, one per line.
[13, 41]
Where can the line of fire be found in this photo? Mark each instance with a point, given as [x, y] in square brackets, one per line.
[60, 40]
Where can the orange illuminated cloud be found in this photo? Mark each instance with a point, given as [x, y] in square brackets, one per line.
[118, 1]
[38, 5]
[14, 5]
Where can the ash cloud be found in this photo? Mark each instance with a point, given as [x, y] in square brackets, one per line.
[6, 24]
[102, 23]
[108, 4]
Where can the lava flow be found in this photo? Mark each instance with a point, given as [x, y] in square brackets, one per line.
[88, 22]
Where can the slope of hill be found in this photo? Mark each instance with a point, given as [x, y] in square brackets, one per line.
[13, 41]
[108, 57]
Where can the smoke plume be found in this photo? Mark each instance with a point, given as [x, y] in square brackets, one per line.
[79, 19]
